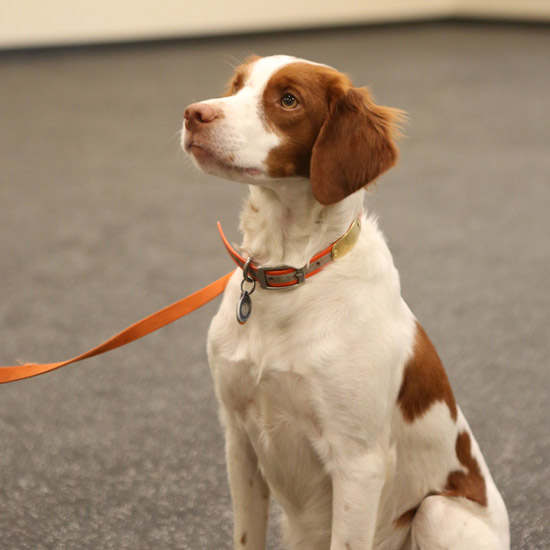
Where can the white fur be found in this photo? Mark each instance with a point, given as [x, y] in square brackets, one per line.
[308, 386]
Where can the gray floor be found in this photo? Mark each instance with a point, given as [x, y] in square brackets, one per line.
[104, 221]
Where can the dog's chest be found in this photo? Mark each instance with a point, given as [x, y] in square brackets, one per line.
[264, 376]
[283, 426]
[262, 370]
[292, 363]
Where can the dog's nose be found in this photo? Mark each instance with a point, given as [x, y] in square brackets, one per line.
[197, 114]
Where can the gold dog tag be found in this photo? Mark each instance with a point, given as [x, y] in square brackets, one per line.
[343, 245]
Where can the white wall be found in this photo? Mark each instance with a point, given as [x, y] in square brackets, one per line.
[44, 22]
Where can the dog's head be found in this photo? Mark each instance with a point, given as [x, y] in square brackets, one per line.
[286, 117]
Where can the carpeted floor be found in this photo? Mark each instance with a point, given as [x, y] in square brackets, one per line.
[104, 221]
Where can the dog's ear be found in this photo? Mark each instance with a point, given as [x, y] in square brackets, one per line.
[354, 146]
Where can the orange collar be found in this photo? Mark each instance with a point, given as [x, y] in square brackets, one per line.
[285, 276]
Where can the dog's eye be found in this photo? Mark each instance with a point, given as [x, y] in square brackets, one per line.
[288, 101]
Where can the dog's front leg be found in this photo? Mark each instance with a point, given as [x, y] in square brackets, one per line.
[249, 491]
[356, 486]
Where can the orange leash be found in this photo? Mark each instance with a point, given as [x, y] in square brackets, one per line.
[138, 330]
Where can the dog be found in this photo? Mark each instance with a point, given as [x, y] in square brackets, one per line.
[333, 398]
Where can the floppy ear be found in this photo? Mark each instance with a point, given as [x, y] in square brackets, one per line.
[354, 146]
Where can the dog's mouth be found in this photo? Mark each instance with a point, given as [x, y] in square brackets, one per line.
[211, 162]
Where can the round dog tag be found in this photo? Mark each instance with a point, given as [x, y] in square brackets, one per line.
[244, 308]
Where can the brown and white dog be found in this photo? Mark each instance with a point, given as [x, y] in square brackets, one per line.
[333, 398]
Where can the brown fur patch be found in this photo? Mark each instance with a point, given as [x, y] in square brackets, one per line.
[243, 539]
[424, 381]
[241, 74]
[313, 86]
[405, 519]
[470, 485]
[354, 147]
[336, 135]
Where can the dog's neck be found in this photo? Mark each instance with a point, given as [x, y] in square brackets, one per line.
[283, 224]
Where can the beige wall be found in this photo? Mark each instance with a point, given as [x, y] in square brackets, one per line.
[514, 9]
[41, 22]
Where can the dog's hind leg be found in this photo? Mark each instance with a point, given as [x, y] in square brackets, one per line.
[451, 523]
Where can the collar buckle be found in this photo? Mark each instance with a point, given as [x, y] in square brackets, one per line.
[300, 276]
[280, 278]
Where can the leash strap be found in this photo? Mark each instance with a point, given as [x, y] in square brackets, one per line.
[138, 330]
